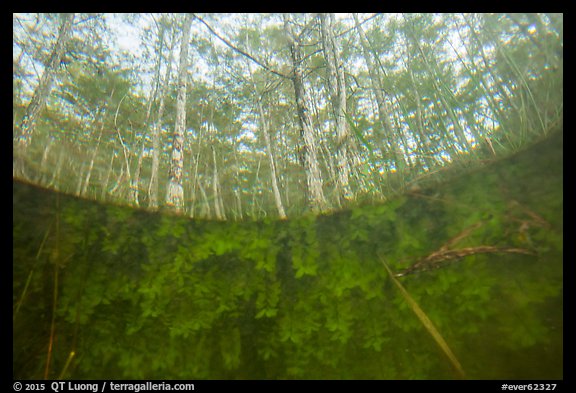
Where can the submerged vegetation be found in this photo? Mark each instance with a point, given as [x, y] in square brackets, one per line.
[106, 291]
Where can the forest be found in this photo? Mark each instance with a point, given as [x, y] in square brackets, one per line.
[246, 116]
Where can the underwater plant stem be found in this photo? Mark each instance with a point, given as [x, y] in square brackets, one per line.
[427, 323]
[52, 324]
[54, 292]
[70, 356]
[24, 291]
[29, 279]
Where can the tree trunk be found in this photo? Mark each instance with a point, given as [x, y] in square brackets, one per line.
[151, 99]
[100, 116]
[44, 87]
[108, 174]
[218, 205]
[126, 152]
[265, 131]
[337, 93]
[91, 165]
[315, 194]
[55, 181]
[275, 188]
[205, 207]
[378, 89]
[136, 178]
[79, 177]
[175, 194]
[153, 188]
[43, 164]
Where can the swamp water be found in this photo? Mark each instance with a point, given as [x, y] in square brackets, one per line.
[104, 291]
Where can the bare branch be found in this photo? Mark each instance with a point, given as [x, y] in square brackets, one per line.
[225, 41]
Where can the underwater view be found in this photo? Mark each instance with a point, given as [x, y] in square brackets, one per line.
[288, 196]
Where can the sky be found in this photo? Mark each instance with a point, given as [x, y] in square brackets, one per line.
[127, 35]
